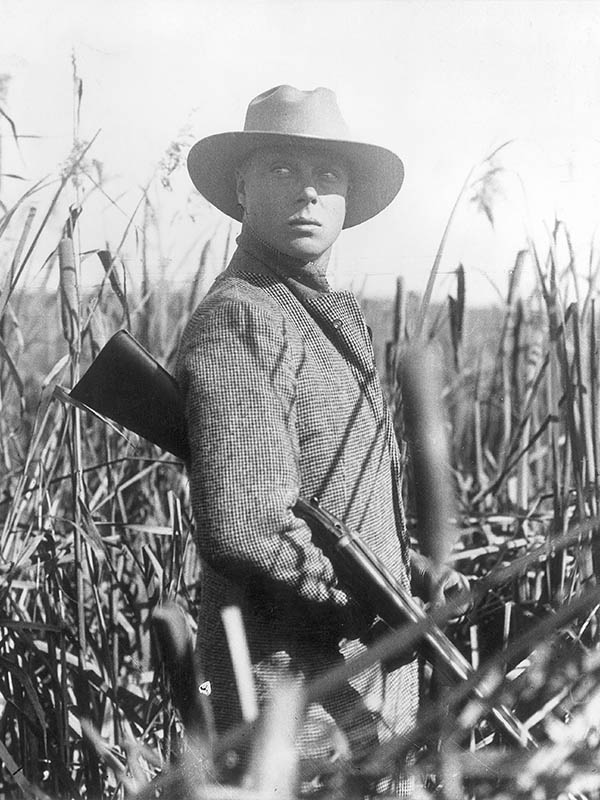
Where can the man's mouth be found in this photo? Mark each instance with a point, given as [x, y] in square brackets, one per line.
[304, 222]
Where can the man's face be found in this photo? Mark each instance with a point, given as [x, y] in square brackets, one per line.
[294, 198]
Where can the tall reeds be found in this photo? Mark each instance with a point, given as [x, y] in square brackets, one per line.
[97, 533]
[95, 529]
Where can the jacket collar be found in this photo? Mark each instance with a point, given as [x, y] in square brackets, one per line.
[304, 278]
[333, 310]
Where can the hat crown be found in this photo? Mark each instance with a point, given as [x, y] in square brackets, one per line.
[287, 110]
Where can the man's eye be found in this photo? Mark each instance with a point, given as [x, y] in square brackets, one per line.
[329, 175]
[281, 170]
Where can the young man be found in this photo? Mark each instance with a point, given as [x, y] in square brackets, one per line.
[283, 399]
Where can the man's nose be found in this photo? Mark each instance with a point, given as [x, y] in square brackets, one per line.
[308, 191]
[308, 186]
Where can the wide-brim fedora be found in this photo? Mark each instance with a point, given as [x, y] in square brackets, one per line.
[285, 115]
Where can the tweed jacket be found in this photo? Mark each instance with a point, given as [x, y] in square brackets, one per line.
[283, 398]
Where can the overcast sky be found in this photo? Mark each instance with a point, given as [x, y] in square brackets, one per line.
[441, 83]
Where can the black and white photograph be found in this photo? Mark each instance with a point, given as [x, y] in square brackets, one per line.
[300, 399]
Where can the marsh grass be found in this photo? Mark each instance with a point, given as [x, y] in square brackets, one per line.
[96, 527]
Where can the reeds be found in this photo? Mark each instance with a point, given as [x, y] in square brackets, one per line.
[97, 534]
[95, 529]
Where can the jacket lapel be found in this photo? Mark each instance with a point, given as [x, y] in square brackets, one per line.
[341, 319]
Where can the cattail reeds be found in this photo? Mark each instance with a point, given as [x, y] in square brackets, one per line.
[97, 528]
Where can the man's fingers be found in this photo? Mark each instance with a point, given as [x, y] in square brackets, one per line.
[452, 587]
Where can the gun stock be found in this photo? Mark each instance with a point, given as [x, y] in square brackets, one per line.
[128, 385]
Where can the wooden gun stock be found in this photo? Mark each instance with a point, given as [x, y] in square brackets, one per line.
[128, 385]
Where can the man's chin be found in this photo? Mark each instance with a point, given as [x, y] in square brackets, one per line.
[305, 249]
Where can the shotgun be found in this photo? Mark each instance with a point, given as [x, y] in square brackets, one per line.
[127, 385]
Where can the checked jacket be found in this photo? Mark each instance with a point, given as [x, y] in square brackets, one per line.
[283, 398]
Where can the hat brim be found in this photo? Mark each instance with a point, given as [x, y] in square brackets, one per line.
[376, 172]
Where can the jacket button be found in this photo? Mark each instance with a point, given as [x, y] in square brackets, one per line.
[337, 324]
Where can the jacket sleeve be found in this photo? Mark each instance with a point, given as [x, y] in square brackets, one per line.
[240, 379]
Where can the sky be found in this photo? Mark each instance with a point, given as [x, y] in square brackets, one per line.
[443, 83]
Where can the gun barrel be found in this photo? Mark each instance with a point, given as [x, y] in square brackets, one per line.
[372, 584]
[441, 644]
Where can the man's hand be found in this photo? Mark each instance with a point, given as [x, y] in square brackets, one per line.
[439, 588]
[451, 587]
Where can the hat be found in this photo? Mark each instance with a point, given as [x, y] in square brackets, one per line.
[288, 116]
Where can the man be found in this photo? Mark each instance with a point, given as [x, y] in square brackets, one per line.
[283, 399]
